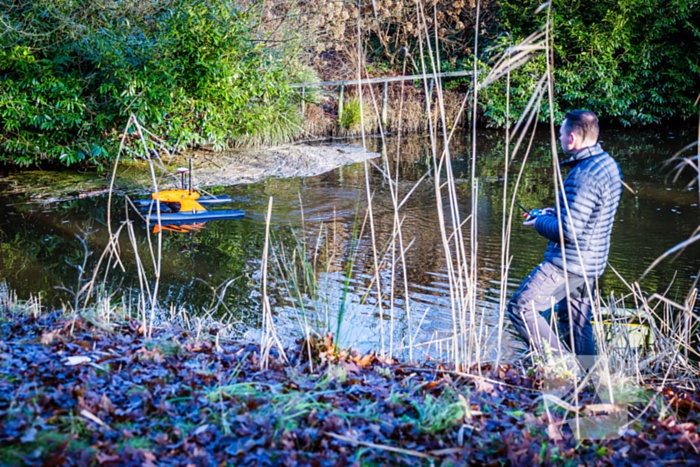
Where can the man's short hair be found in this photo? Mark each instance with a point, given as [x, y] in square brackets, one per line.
[584, 123]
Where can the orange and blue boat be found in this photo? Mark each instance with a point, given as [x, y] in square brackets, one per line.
[185, 205]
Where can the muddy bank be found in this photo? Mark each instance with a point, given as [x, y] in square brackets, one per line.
[242, 167]
[209, 169]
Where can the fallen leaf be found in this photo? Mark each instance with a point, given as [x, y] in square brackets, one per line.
[48, 337]
[624, 449]
[554, 432]
[90, 416]
[364, 361]
[200, 430]
[149, 458]
[104, 458]
[29, 436]
[76, 360]
[351, 367]
[484, 386]
[106, 404]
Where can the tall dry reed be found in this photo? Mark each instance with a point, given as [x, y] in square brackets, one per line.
[468, 347]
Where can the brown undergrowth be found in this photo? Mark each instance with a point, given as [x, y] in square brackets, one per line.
[322, 119]
[72, 393]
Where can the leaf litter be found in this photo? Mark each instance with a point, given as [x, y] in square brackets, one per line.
[95, 398]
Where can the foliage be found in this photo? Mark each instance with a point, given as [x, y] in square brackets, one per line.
[194, 71]
[436, 414]
[199, 72]
[523, 83]
[630, 61]
[351, 116]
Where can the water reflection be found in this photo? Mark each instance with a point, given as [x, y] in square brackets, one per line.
[326, 214]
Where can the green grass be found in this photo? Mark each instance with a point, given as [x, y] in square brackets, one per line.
[44, 443]
[167, 347]
[439, 413]
[136, 389]
[351, 116]
[138, 442]
[10, 378]
[285, 406]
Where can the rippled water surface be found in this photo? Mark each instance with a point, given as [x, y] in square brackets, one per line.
[219, 265]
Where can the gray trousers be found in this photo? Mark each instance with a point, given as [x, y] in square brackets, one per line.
[534, 296]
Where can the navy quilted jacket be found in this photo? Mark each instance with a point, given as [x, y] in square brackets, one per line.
[593, 189]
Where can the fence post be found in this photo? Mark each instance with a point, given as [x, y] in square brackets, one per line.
[385, 102]
[340, 103]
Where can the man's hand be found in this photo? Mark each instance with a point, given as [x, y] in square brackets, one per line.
[545, 212]
[530, 221]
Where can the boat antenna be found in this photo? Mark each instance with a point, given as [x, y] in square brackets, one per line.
[190, 175]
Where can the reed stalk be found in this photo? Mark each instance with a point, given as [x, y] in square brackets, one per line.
[367, 183]
[269, 335]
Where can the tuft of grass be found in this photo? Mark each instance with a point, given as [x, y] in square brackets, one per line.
[334, 373]
[139, 442]
[282, 127]
[351, 117]
[436, 414]
[166, 347]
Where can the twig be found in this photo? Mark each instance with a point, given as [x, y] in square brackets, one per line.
[408, 452]
[466, 375]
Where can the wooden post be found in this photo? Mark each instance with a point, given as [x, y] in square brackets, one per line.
[385, 103]
[340, 103]
[303, 102]
[429, 98]
[385, 157]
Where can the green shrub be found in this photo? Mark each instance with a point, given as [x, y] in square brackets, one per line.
[630, 61]
[193, 71]
[351, 117]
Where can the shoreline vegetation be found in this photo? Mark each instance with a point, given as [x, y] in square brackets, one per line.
[219, 74]
[89, 388]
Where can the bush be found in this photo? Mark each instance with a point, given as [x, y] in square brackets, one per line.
[351, 117]
[193, 71]
[630, 61]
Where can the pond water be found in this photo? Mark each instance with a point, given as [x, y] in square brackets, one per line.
[325, 213]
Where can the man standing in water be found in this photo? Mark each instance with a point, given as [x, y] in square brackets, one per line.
[578, 247]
